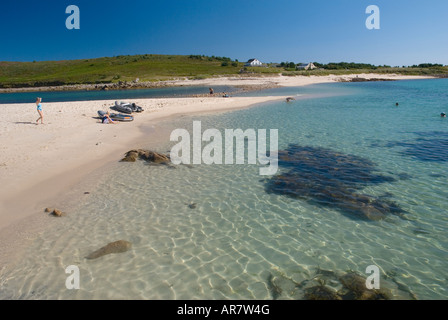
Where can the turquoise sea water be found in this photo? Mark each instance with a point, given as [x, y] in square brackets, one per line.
[225, 232]
[60, 96]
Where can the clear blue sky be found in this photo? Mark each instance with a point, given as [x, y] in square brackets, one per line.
[412, 31]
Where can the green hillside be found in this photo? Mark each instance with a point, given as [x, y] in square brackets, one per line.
[148, 67]
[152, 67]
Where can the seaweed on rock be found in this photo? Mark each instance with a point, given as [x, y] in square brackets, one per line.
[330, 178]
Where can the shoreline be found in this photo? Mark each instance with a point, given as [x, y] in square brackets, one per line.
[41, 164]
[245, 82]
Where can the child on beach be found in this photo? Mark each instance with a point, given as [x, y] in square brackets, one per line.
[39, 110]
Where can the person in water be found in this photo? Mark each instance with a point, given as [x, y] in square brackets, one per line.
[443, 115]
[39, 110]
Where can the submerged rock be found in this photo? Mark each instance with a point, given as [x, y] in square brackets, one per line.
[429, 146]
[274, 289]
[356, 289]
[192, 205]
[321, 292]
[131, 156]
[147, 155]
[112, 247]
[330, 178]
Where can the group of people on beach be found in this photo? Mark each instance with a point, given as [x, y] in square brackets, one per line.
[224, 94]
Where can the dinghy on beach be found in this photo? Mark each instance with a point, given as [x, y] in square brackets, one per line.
[116, 116]
[126, 107]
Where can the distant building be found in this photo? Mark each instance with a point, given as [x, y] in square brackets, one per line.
[306, 66]
[253, 63]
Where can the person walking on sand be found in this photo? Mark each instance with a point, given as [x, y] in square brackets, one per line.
[39, 110]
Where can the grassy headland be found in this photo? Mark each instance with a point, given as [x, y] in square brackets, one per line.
[154, 68]
[148, 67]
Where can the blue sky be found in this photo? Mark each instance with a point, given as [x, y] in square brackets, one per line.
[412, 31]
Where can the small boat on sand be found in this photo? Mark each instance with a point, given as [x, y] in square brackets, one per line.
[126, 107]
[116, 116]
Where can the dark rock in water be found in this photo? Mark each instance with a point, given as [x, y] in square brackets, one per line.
[356, 289]
[274, 289]
[131, 156]
[354, 282]
[113, 247]
[420, 231]
[429, 146]
[321, 293]
[404, 176]
[358, 79]
[147, 155]
[192, 205]
[330, 178]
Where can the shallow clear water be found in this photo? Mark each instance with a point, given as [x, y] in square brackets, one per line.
[239, 241]
[60, 96]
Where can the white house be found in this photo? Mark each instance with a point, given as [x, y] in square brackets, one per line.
[306, 66]
[253, 63]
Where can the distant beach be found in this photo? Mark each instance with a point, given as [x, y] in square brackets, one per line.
[245, 82]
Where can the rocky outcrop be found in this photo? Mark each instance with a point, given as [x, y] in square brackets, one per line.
[358, 79]
[146, 155]
[112, 247]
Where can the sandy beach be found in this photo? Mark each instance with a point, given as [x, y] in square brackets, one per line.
[40, 163]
